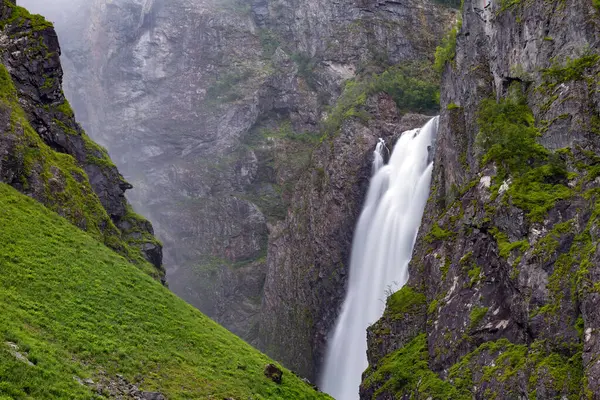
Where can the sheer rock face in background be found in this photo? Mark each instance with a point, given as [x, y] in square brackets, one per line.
[211, 110]
[87, 189]
[517, 261]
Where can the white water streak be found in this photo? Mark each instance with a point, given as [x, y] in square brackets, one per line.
[381, 250]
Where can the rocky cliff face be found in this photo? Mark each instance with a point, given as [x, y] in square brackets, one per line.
[227, 118]
[502, 300]
[45, 154]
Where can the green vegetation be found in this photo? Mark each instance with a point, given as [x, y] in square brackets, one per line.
[286, 151]
[446, 51]
[95, 154]
[474, 275]
[21, 16]
[509, 359]
[78, 309]
[410, 85]
[474, 271]
[508, 4]
[76, 201]
[349, 104]
[578, 69]
[48, 83]
[548, 245]
[562, 372]
[505, 246]
[438, 233]
[558, 371]
[65, 108]
[538, 191]
[573, 70]
[476, 316]
[432, 306]
[411, 90]
[508, 135]
[285, 131]
[571, 274]
[406, 372]
[405, 301]
[445, 268]
[135, 229]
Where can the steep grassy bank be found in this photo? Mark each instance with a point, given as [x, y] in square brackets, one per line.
[76, 309]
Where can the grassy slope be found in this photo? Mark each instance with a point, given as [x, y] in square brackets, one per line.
[79, 308]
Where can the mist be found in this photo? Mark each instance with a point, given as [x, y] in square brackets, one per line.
[53, 10]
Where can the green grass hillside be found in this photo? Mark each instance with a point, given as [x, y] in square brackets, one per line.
[77, 309]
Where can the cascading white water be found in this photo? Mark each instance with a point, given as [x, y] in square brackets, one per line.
[381, 250]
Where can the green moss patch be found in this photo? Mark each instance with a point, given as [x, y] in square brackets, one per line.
[505, 246]
[65, 108]
[438, 233]
[561, 372]
[406, 372]
[508, 135]
[547, 245]
[405, 301]
[20, 16]
[476, 316]
[571, 70]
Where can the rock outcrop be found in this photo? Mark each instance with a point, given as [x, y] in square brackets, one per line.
[45, 154]
[502, 301]
[214, 111]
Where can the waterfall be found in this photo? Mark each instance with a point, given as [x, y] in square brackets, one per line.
[381, 250]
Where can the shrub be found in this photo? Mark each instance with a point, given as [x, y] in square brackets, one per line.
[446, 51]
[573, 69]
[508, 133]
[410, 90]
